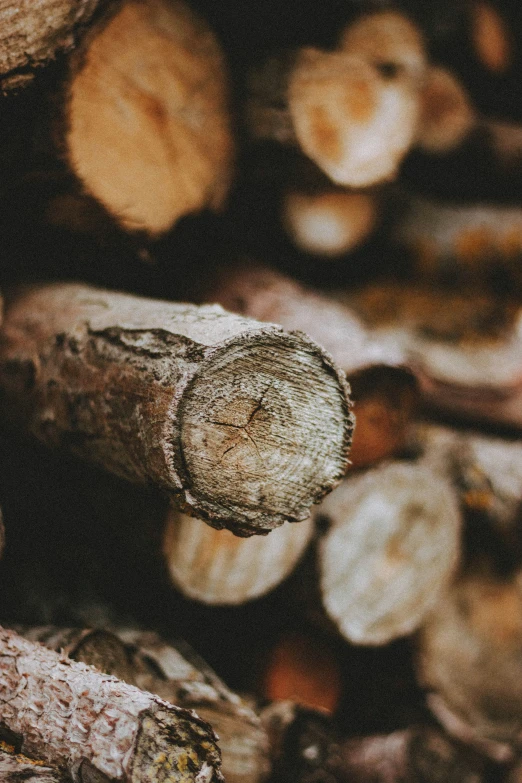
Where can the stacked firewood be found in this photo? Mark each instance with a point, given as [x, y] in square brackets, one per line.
[260, 363]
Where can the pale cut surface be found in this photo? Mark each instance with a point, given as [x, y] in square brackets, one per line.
[392, 548]
[447, 115]
[355, 124]
[329, 223]
[77, 718]
[245, 425]
[215, 567]
[387, 38]
[148, 121]
[32, 32]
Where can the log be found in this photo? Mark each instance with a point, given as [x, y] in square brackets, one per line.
[217, 568]
[95, 727]
[469, 661]
[180, 677]
[447, 115]
[330, 103]
[466, 241]
[329, 223]
[470, 344]
[159, 144]
[391, 549]
[491, 38]
[33, 34]
[246, 426]
[385, 388]
[15, 768]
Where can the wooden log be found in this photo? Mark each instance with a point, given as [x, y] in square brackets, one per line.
[447, 115]
[245, 425]
[94, 726]
[331, 222]
[217, 568]
[159, 144]
[32, 34]
[385, 388]
[470, 241]
[491, 38]
[469, 661]
[180, 677]
[391, 549]
[15, 768]
[331, 103]
[449, 337]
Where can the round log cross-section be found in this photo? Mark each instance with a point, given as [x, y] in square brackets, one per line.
[244, 424]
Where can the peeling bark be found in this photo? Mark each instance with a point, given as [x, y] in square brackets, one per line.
[96, 727]
[245, 425]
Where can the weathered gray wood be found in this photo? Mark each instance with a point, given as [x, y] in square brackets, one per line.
[95, 726]
[245, 425]
[33, 32]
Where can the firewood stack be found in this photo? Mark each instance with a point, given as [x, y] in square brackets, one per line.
[260, 391]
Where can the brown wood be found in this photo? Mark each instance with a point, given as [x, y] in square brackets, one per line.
[391, 549]
[95, 726]
[330, 103]
[180, 677]
[32, 34]
[245, 425]
[147, 125]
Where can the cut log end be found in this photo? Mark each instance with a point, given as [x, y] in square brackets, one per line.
[490, 36]
[148, 130]
[330, 223]
[392, 549]
[352, 121]
[265, 429]
[447, 115]
[217, 568]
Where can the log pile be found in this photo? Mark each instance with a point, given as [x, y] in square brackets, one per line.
[260, 387]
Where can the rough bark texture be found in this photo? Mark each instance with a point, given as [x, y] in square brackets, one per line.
[96, 727]
[159, 143]
[246, 426]
[15, 768]
[215, 567]
[32, 33]
[179, 676]
[393, 545]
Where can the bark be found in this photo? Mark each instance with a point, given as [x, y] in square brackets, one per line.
[329, 103]
[391, 550]
[469, 659]
[217, 568]
[210, 407]
[178, 676]
[32, 34]
[94, 726]
[20, 769]
[384, 389]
